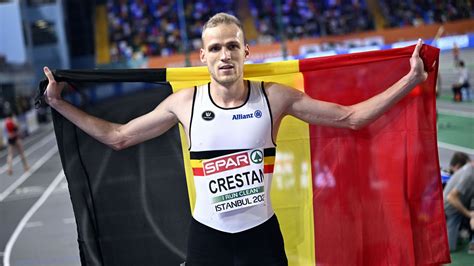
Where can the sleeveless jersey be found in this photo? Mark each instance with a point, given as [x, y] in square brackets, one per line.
[232, 155]
[10, 127]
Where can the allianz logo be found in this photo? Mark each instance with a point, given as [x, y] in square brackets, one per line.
[256, 114]
[242, 116]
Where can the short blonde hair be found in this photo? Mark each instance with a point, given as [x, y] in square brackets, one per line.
[222, 18]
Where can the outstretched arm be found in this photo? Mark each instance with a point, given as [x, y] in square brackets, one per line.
[114, 135]
[313, 111]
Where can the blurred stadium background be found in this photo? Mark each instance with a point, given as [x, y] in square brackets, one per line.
[86, 34]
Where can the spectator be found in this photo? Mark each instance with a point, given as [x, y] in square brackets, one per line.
[151, 27]
[457, 195]
[302, 18]
[414, 13]
[458, 160]
[146, 28]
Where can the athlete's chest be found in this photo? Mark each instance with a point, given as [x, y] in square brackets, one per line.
[246, 126]
[212, 127]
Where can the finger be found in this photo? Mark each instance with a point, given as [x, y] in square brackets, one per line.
[418, 46]
[49, 74]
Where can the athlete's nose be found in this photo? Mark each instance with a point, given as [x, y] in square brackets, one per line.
[225, 54]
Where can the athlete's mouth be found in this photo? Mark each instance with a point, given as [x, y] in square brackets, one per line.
[226, 67]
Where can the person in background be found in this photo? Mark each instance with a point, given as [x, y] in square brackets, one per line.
[462, 89]
[458, 160]
[14, 141]
[457, 196]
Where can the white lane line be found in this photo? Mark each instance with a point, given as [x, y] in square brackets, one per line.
[455, 148]
[28, 215]
[27, 174]
[456, 113]
[28, 152]
[33, 224]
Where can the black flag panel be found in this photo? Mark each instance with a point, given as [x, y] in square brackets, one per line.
[131, 206]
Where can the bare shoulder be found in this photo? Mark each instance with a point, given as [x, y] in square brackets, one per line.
[181, 98]
[184, 94]
[180, 104]
[280, 93]
[280, 89]
[274, 86]
[281, 97]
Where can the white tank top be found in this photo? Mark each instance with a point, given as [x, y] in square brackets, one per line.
[232, 154]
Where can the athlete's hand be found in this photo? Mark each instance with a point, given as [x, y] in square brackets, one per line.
[417, 69]
[54, 89]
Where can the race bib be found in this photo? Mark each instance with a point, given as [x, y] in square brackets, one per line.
[235, 181]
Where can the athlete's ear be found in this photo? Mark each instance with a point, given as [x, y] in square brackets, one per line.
[202, 56]
[247, 51]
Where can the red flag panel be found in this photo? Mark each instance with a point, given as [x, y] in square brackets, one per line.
[377, 191]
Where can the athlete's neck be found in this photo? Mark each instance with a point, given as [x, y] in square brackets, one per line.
[229, 95]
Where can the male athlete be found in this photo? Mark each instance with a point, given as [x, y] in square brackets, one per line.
[234, 223]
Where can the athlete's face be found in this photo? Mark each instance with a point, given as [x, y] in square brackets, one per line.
[224, 53]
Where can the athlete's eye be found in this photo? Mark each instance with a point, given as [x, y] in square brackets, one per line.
[233, 47]
[214, 48]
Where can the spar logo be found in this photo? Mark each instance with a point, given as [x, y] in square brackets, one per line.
[233, 161]
[256, 156]
[226, 163]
